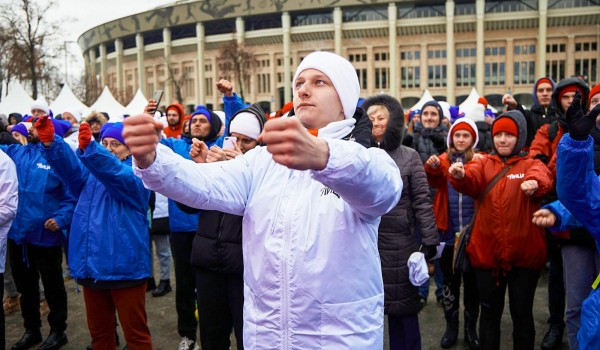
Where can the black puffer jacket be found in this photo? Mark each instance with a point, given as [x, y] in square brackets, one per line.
[217, 245]
[397, 230]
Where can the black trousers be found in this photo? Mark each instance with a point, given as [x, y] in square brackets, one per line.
[556, 284]
[452, 281]
[220, 308]
[185, 284]
[492, 286]
[28, 263]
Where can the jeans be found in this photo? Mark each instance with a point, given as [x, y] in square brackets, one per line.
[185, 284]
[581, 266]
[163, 253]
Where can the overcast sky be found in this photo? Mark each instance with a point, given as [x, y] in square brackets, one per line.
[77, 16]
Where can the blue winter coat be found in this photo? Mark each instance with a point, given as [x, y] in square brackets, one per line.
[42, 196]
[109, 235]
[578, 189]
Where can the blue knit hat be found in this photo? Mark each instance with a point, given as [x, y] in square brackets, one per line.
[204, 111]
[115, 131]
[21, 129]
[60, 127]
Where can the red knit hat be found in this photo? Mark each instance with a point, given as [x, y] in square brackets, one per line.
[570, 88]
[505, 124]
[483, 101]
[595, 90]
[543, 80]
[463, 126]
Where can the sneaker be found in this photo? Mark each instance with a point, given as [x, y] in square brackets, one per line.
[11, 305]
[186, 344]
[44, 307]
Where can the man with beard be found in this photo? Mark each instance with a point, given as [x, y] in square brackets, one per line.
[204, 126]
[35, 240]
[174, 120]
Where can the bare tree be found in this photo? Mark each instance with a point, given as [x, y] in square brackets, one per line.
[177, 77]
[237, 60]
[30, 34]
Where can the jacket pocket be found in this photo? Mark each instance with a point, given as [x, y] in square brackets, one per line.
[353, 325]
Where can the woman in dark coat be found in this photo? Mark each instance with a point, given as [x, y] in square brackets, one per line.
[397, 232]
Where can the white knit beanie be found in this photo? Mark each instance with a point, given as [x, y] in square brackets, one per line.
[40, 104]
[76, 113]
[245, 123]
[341, 73]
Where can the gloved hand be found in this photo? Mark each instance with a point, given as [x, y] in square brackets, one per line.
[85, 136]
[44, 128]
[579, 124]
[418, 272]
[430, 251]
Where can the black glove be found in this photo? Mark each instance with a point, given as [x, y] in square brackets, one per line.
[579, 124]
[430, 251]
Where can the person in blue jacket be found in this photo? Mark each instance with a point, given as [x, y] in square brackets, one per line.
[35, 240]
[578, 190]
[109, 253]
[205, 125]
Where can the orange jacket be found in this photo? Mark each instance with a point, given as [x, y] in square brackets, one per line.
[438, 179]
[503, 235]
[175, 131]
[541, 145]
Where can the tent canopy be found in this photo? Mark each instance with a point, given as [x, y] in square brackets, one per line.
[424, 99]
[16, 101]
[108, 104]
[66, 100]
[137, 104]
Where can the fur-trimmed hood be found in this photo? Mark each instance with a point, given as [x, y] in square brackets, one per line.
[392, 137]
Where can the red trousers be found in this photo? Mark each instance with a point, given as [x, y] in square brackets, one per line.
[130, 304]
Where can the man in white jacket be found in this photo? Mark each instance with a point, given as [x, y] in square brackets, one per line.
[9, 194]
[311, 208]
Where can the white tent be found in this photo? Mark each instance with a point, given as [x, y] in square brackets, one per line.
[471, 103]
[108, 104]
[137, 104]
[66, 100]
[425, 98]
[16, 101]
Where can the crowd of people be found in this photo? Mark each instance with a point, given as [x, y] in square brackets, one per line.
[302, 228]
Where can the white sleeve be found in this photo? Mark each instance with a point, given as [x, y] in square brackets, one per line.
[9, 190]
[367, 179]
[222, 186]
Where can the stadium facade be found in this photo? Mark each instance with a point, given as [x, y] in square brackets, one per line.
[398, 47]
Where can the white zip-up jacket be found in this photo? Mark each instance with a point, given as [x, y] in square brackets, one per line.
[312, 273]
[9, 200]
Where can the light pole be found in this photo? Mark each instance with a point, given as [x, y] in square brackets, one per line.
[66, 64]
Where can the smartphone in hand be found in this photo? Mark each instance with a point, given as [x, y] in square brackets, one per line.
[229, 142]
[158, 94]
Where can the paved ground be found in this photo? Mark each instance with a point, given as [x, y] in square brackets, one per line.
[162, 322]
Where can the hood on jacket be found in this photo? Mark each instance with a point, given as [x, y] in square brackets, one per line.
[580, 84]
[535, 100]
[215, 122]
[363, 129]
[519, 119]
[392, 137]
[257, 111]
[471, 124]
[16, 116]
[180, 110]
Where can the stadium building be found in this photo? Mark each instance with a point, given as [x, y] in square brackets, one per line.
[398, 47]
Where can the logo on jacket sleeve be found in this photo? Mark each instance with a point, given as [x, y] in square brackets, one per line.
[515, 176]
[326, 190]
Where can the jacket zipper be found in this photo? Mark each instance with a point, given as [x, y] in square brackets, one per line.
[460, 213]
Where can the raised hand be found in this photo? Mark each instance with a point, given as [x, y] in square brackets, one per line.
[579, 124]
[225, 87]
[292, 146]
[142, 133]
[544, 218]
[85, 136]
[45, 129]
[199, 151]
[457, 170]
[433, 161]
[529, 187]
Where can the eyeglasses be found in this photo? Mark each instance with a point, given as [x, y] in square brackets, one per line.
[113, 144]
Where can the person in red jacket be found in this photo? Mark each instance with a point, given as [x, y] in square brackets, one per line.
[175, 114]
[506, 249]
[453, 210]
